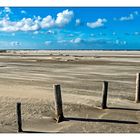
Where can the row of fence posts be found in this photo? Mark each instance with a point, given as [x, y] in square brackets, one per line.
[59, 116]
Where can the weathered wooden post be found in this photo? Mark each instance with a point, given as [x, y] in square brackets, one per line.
[58, 104]
[104, 95]
[19, 119]
[137, 96]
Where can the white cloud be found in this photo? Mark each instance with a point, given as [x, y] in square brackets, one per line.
[64, 18]
[23, 12]
[47, 22]
[38, 18]
[50, 32]
[118, 42]
[99, 23]
[36, 32]
[77, 22]
[76, 40]
[5, 13]
[136, 12]
[124, 42]
[7, 10]
[26, 24]
[88, 42]
[131, 16]
[61, 41]
[15, 43]
[35, 23]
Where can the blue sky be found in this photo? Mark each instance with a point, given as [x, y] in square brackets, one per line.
[70, 28]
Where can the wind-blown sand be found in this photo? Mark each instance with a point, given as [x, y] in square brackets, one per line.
[28, 77]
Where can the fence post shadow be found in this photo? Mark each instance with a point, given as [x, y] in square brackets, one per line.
[99, 120]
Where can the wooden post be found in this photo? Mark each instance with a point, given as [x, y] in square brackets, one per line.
[19, 119]
[137, 96]
[104, 95]
[58, 103]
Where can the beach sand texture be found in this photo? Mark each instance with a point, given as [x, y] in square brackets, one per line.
[28, 77]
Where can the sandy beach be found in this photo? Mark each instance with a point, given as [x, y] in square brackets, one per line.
[28, 77]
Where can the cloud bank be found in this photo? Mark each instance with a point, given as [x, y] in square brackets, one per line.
[33, 24]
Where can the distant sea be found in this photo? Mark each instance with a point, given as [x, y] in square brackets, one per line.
[102, 48]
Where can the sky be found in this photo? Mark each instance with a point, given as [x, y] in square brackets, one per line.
[67, 28]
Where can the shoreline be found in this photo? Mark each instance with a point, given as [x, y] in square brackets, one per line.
[69, 50]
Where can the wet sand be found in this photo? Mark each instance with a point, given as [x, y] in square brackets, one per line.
[28, 77]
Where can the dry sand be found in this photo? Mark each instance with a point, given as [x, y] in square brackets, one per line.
[28, 77]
